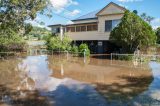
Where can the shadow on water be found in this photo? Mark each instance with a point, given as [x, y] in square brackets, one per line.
[21, 98]
[101, 56]
[122, 94]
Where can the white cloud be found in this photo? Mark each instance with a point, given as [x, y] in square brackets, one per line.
[69, 22]
[73, 13]
[59, 5]
[155, 23]
[36, 22]
[124, 6]
[129, 0]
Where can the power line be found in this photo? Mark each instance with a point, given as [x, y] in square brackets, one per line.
[63, 16]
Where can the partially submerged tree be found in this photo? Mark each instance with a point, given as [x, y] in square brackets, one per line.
[158, 35]
[14, 13]
[132, 33]
[55, 43]
[13, 16]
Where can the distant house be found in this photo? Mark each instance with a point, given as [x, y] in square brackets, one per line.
[93, 28]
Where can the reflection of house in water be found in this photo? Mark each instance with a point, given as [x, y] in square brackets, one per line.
[117, 84]
[95, 71]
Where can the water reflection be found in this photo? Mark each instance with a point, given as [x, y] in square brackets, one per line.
[58, 81]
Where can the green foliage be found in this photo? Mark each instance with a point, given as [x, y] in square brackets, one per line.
[126, 58]
[55, 43]
[158, 35]
[84, 48]
[13, 17]
[14, 13]
[12, 43]
[146, 18]
[132, 33]
[75, 49]
[38, 32]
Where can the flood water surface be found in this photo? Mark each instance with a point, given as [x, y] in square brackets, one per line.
[60, 81]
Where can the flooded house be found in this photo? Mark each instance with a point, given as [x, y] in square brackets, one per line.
[93, 28]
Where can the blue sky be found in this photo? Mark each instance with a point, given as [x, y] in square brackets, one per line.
[65, 10]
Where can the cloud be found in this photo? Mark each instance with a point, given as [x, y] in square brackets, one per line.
[69, 22]
[123, 6]
[155, 23]
[36, 22]
[59, 5]
[129, 0]
[73, 13]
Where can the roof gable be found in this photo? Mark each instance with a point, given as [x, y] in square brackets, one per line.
[111, 8]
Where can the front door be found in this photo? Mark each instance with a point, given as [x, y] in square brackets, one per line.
[100, 47]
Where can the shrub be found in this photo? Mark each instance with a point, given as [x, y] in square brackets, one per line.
[55, 43]
[124, 57]
[84, 48]
[11, 43]
[75, 49]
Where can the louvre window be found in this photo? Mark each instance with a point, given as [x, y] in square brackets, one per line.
[89, 28]
[95, 27]
[78, 28]
[83, 28]
[70, 29]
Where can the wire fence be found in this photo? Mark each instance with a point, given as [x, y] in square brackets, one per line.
[133, 60]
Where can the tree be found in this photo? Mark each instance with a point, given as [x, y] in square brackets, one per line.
[13, 16]
[37, 32]
[158, 35]
[14, 13]
[146, 18]
[132, 33]
[135, 11]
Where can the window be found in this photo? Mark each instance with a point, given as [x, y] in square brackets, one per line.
[111, 24]
[70, 29]
[78, 28]
[115, 23]
[83, 28]
[92, 28]
[95, 27]
[89, 28]
[108, 25]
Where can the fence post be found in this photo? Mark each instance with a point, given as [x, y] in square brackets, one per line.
[67, 55]
[84, 55]
[111, 58]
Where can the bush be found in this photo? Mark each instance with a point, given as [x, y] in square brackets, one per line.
[11, 43]
[124, 57]
[55, 43]
[84, 48]
[75, 49]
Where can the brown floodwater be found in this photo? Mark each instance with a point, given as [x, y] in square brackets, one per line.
[71, 81]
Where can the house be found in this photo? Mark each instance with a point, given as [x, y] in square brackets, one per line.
[93, 28]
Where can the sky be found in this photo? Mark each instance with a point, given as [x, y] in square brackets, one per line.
[65, 10]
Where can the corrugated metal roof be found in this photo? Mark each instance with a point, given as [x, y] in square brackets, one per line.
[91, 15]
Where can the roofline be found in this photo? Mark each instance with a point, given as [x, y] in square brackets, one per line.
[84, 19]
[82, 23]
[123, 8]
[55, 25]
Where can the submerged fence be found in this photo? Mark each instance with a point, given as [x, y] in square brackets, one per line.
[135, 57]
[133, 60]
